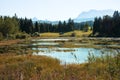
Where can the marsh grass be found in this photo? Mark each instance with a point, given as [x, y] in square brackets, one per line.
[106, 67]
[29, 67]
[26, 67]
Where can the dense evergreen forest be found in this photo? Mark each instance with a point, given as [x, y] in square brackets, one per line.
[107, 26]
[26, 25]
[10, 26]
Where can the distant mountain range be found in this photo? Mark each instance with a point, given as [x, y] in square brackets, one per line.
[83, 17]
[90, 15]
[44, 21]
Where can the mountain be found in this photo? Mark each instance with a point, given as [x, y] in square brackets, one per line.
[90, 15]
[44, 21]
[47, 21]
[34, 19]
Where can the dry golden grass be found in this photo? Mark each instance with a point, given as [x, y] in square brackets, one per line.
[77, 33]
[67, 34]
[27, 67]
[30, 67]
[49, 34]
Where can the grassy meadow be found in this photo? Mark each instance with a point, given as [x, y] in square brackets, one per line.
[49, 34]
[76, 33]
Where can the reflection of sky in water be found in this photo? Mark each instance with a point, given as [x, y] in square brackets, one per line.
[76, 55]
[50, 39]
[45, 44]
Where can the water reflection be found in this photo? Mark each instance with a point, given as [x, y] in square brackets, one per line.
[49, 40]
[45, 44]
[71, 55]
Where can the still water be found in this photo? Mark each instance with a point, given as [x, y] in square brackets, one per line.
[65, 55]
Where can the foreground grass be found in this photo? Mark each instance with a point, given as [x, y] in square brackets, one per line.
[26, 67]
[30, 67]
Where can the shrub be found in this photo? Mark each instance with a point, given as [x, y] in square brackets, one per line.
[21, 36]
[73, 34]
[36, 34]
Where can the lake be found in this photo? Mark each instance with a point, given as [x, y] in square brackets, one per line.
[68, 55]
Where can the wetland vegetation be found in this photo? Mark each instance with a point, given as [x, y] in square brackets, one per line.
[25, 61]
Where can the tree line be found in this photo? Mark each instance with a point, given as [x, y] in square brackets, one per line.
[13, 25]
[61, 27]
[107, 26]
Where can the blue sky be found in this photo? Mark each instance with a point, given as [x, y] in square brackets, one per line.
[54, 9]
